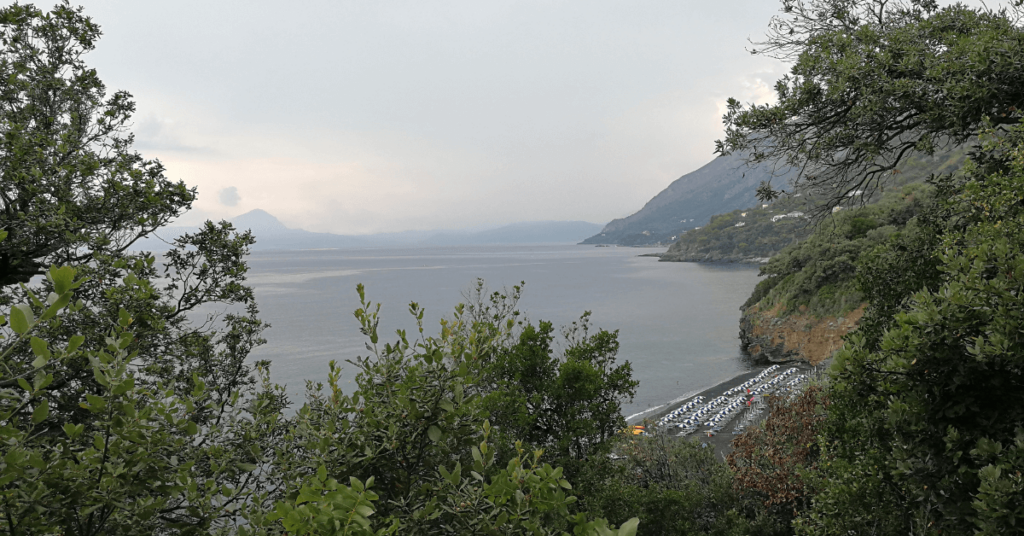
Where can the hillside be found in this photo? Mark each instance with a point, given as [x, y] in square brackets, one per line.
[720, 186]
[271, 234]
[750, 235]
[758, 233]
[810, 296]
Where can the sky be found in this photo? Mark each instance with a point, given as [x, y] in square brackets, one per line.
[356, 117]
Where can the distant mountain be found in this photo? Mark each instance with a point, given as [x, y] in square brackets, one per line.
[723, 185]
[534, 232]
[261, 222]
[271, 234]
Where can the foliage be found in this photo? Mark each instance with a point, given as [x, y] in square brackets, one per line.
[412, 410]
[819, 274]
[149, 422]
[743, 235]
[325, 507]
[923, 432]
[673, 486]
[763, 231]
[873, 82]
[72, 188]
[146, 462]
[140, 462]
[75, 192]
[774, 460]
[203, 269]
[414, 422]
[568, 405]
[930, 415]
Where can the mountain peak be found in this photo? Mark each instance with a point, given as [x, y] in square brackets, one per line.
[260, 222]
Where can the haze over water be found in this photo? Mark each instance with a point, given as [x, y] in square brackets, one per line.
[677, 322]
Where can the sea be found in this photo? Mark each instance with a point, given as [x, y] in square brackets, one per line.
[678, 323]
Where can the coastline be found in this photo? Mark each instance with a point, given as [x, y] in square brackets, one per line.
[722, 442]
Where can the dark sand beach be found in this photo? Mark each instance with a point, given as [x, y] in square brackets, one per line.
[721, 442]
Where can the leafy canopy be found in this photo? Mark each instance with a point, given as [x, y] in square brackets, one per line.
[927, 408]
[873, 82]
[71, 187]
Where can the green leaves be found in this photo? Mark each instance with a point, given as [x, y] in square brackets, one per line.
[123, 318]
[97, 425]
[323, 507]
[63, 279]
[73, 431]
[124, 386]
[57, 303]
[39, 348]
[454, 477]
[74, 343]
[94, 403]
[41, 412]
[937, 373]
[21, 319]
[874, 86]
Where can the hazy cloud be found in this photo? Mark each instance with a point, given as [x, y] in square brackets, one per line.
[355, 117]
[154, 133]
[229, 196]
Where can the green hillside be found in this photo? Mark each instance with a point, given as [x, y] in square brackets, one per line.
[723, 184]
[763, 231]
[817, 275]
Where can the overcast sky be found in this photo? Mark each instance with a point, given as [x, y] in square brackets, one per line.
[356, 117]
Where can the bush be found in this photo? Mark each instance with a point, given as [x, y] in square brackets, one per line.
[672, 486]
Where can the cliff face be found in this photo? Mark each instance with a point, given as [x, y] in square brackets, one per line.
[767, 337]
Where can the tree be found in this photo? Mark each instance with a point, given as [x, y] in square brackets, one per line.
[71, 188]
[142, 462]
[874, 82]
[120, 415]
[777, 460]
[674, 486]
[416, 429]
[929, 417]
[75, 193]
[150, 460]
[568, 405]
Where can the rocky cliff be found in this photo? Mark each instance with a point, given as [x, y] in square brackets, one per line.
[767, 337]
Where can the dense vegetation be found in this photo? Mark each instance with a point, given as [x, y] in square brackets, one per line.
[874, 82]
[748, 235]
[764, 230]
[120, 416]
[923, 428]
[819, 275]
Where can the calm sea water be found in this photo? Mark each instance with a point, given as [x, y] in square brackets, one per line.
[677, 322]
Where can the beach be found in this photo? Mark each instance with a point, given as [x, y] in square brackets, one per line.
[721, 441]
